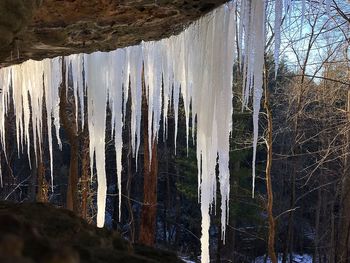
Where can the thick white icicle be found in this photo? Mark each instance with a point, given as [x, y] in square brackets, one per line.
[168, 79]
[56, 79]
[21, 113]
[97, 80]
[153, 84]
[224, 102]
[115, 90]
[5, 78]
[28, 98]
[76, 63]
[205, 78]
[181, 71]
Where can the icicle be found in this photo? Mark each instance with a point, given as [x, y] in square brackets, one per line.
[5, 78]
[209, 66]
[115, 90]
[48, 105]
[153, 83]
[27, 99]
[56, 79]
[97, 80]
[225, 117]
[258, 74]
[253, 64]
[134, 54]
[176, 84]
[168, 77]
[181, 71]
[126, 79]
[245, 29]
[21, 131]
[76, 62]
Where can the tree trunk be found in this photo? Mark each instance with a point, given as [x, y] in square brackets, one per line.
[85, 176]
[43, 186]
[149, 206]
[128, 191]
[317, 227]
[343, 246]
[269, 206]
[70, 127]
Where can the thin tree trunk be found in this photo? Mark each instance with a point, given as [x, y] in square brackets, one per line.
[344, 222]
[43, 187]
[168, 191]
[317, 227]
[128, 192]
[269, 206]
[85, 175]
[32, 195]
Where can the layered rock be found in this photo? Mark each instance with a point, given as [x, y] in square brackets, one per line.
[34, 29]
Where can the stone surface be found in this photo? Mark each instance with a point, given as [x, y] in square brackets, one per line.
[41, 233]
[31, 29]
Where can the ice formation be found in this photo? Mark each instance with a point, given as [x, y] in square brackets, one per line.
[196, 64]
[253, 63]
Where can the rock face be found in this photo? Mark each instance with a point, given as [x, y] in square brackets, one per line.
[38, 29]
[41, 233]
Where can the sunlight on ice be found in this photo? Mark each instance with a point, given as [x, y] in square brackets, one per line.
[196, 65]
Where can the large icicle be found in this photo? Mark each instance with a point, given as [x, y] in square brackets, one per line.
[97, 80]
[28, 98]
[153, 84]
[224, 103]
[76, 62]
[168, 79]
[115, 90]
[52, 79]
[5, 78]
[254, 65]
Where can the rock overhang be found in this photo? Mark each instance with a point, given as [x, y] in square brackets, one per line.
[34, 29]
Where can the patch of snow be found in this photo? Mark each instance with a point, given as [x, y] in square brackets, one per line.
[297, 258]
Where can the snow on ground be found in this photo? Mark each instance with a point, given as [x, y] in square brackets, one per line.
[186, 260]
[305, 258]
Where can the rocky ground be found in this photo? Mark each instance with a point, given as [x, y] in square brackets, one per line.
[41, 233]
